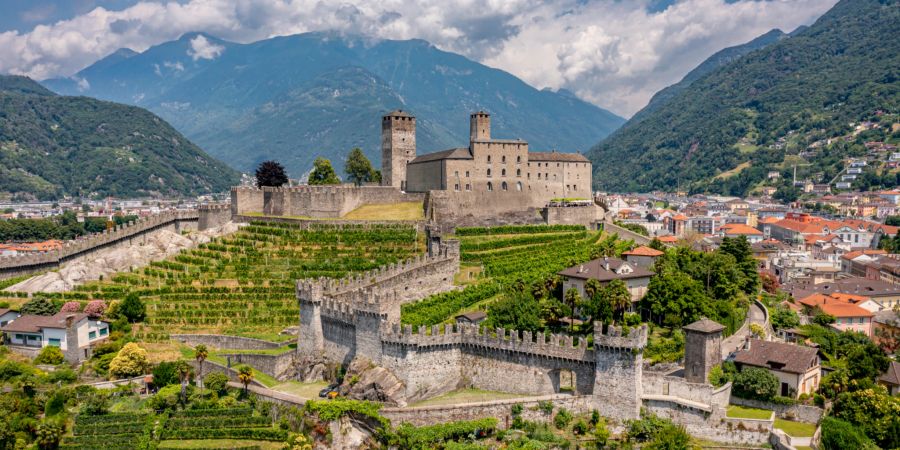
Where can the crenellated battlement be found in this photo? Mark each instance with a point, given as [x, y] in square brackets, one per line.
[74, 248]
[215, 207]
[636, 339]
[471, 336]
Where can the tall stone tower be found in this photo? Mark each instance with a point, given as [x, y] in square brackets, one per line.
[618, 371]
[702, 349]
[480, 126]
[398, 147]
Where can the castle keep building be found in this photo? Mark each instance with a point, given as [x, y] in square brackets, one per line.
[487, 165]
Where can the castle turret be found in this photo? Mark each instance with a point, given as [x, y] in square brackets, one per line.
[398, 147]
[702, 349]
[618, 371]
[480, 126]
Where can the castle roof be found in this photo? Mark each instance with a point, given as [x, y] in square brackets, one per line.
[705, 325]
[556, 156]
[453, 153]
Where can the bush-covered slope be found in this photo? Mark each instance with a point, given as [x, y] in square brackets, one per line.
[842, 69]
[51, 146]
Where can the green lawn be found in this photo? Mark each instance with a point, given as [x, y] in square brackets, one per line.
[743, 412]
[220, 444]
[266, 380]
[795, 429]
[393, 211]
[305, 390]
[467, 396]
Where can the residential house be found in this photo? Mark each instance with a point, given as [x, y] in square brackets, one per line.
[733, 230]
[472, 318]
[796, 367]
[604, 270]
[890, 379]
[848, 316]
[642, 256]
[73, 333]
[886, 330]
[7, 316]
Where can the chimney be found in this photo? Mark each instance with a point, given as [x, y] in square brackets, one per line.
[581, 268]
[606, 263]
[747, 343]
[69, 319]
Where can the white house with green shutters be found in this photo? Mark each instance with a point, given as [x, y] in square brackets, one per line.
[73, 333]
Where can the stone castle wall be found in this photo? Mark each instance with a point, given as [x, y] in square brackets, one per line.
[11, 266]
[224, 341]
[213, 215]
[331, 201]
[572, 215]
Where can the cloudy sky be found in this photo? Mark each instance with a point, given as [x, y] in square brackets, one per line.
[614, 53]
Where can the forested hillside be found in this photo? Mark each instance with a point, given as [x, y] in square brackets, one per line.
[818, 84]
[52, 146]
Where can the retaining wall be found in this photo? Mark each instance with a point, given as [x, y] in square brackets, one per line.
[278, 366]
[314, 201]
[800, 413]
[625, 233]
[222, 341]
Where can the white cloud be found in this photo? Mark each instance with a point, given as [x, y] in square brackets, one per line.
[201, 48]
[613, 53]
[83, 84]
[176, 66]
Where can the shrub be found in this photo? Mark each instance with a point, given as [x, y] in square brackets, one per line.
[840, 435]
[426, 437]
[546, 406]
[95, 308]
[47, 434]
[55, 404]
[50, 355]
[562, 419]
[670, 437]
[718, 377]
[11, 369]
[38, 306]
[216, 382]
[133, 308]
[70, 307]
[166, 398]
[647, 427]
[580, 427]
[129, 362]
[165, 373]
[755, 383]
[95, 404]
[62, 375]
[601, 433]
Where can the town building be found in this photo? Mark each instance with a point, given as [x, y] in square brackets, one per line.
[604, 270]
[73, 333]
[642, 256]
[890, 379]
[796, 367]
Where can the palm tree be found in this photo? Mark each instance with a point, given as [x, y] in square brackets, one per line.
[200, 353]
[245, 374]
[619, 297]
[184, 374]
[572, 298]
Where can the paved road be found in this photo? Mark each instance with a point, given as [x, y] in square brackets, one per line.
[736, 340]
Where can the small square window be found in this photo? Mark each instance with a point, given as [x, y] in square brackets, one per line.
[92, 335]
[54, 342]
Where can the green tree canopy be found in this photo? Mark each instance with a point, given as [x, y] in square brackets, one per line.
[271, 173]
[359, 169]
[323, 173]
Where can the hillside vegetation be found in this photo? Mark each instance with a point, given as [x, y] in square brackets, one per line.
[53, 146]
[843, 69]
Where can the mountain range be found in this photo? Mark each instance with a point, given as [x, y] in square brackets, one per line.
[733, 113]
[52, 146]
[297, 97]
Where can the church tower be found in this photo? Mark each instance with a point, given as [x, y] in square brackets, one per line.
[398, 147]
[480, 126]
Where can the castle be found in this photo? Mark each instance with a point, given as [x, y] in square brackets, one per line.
[486, 165]
[492, 181]
[357, 320]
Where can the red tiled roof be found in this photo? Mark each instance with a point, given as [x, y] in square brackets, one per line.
[800, 227]
[644, 251]
[668, 239]
[740, 229]
[844, 310]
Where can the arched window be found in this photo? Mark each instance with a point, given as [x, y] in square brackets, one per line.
[468, 187]
[503, 159]
[518, 185]
[489, 158]
[490, 186]
[489, 172]
[539, 175]
[503, 186]
[518, 172]
[503, 172]
[518, 159]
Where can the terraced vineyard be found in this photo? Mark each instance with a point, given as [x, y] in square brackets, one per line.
[503, 256]
[243, 284]
[126, 430]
